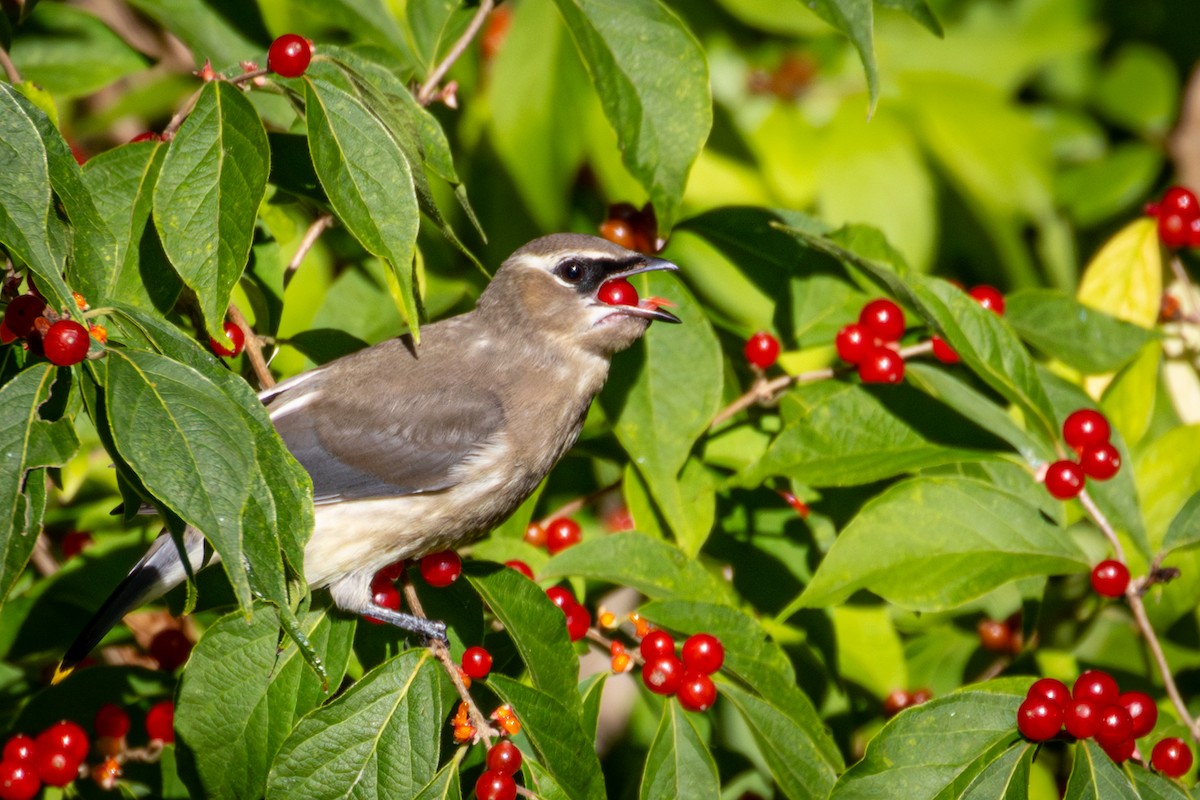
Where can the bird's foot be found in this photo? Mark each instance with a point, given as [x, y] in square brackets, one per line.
[431, 630]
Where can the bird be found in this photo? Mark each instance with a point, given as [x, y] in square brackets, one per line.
[418, 448]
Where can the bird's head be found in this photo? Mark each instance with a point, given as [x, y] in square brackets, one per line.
[551, 285]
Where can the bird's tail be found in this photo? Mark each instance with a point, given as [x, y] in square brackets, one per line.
[160, 570]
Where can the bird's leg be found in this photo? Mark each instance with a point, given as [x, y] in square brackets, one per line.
[431, 630]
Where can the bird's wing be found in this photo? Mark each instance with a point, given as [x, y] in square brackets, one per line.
[358, 446]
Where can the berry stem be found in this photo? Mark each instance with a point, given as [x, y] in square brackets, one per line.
[10, 69]
[252, 349]
[249, 76]
[318, 226]
[483, 728]
[429, 89]
[1133, 596]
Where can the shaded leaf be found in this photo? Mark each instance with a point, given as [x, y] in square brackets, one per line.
[379, 739]
[856, 19]
[207, 195]
[678, 763]
[1094, 776]
[71, 53]
[1184, 530]
[445, 784]
[933, 543]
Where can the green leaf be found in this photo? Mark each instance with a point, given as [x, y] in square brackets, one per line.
[856, 19]
[1185, 528]
[1058, 325]
[26, 222]
[241, 695]
[1139, 90]
[121, 182]
[27, 442]
[208, 30]
[1094, 776]
[71, 53]
[933, 543]
[368, 180]
[188, 443]
[919, 10]
[678, 764]
[207, 196]
[1152, 786]
[535, 625]
[962, 745]
[445, 784]
[796, 763]
[379, 739]
[844, 434]
[652, 78]
[1095, 191]
[661, 406]
[555, 731]
[651, 566]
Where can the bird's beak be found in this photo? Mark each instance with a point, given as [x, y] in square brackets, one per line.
[646, 308]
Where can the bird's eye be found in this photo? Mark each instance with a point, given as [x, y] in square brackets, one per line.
[571, 271]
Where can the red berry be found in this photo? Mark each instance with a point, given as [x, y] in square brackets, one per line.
[1120, 752]
[1110, 578]
[881, 365]
[1064, 479]
[989, 297]
[944, 352]
[6, 336]
[385, 595]
[1141, 710]
[703, 653]
[19, 749]
[1193, 230]
[1171, 757]
[441, 569]
[66, 343]
[562, 533]
[1173, 231]
[762, 350]
[1097, 686]
[1179, 200]
[391, 572]
[994, 635]
[617, 292]
[170, 647]
[882, 319]
[111, 720]
[657, 644]
[1114, 725]
[477, 663]
[896, 702]
[63, 737]
[521, 567]
[697, 692]
[578, 621]
[1100, 461]
[494, 785]
[56, 767]
[535, 535]
[289, 55]
[1039, 718]
[618, 231]
[1085, 426]
[663, 675]
[75, 543]
[160, 722]
[504, 757]
[146, 136]
[920, 696]
[20, 313]
[236, 336]
[1054, 690]
[853, 342]
[561, 596]
[1082, 719]
[18, 781]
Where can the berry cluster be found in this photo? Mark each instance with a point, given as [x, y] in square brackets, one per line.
[579, 619]
[900, 699]
[1088, 433]
[1095, 708]
[633, 229]
[496, 782]
[58, 755]
[557, 535]
[1178, 216]
[1001, 636]
[62, 340]
[870, 344]
[686, 676]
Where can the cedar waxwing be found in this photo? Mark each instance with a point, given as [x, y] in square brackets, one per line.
[416, 449]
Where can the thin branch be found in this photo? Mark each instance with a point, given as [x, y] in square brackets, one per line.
[253, 352]
[318, 226]
[1133, 596]
[10, 69]
[483, 728]
[180, 115]
[249, 76]
[572, 506]
[429, 89]
[41, 558]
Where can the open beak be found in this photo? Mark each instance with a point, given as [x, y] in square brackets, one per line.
[645, 308]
